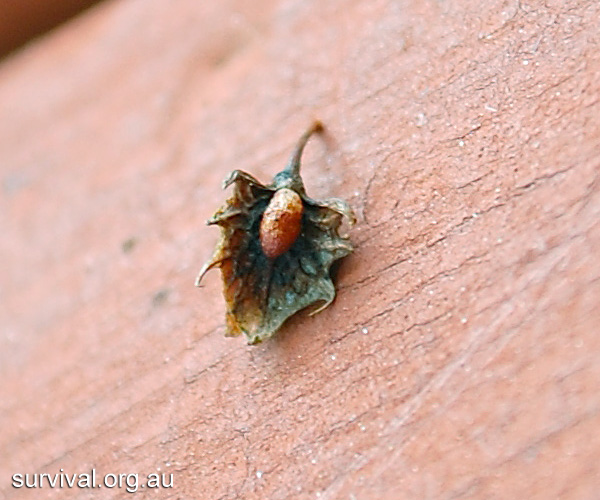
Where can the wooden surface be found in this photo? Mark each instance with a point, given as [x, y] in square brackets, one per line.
[461, 356]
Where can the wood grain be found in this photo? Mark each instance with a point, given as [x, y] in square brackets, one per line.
[460, 358]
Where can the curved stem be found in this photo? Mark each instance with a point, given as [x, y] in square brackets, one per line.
[293, 166]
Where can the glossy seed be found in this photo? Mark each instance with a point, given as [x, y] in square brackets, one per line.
[281, 223]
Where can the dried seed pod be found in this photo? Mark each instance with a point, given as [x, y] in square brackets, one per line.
[276, 248]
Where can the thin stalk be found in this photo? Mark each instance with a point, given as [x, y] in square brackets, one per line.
[293, 166]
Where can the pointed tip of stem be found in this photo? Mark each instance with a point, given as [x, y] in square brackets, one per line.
[317, 126]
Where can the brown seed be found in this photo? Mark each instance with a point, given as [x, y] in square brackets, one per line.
[281, 223]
